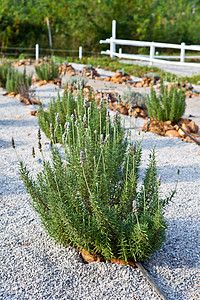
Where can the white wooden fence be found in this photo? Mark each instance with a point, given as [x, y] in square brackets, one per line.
[80, 52]
[113, 41]
[35, 52]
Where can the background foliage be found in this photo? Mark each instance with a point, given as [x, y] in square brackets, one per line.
[85, 22]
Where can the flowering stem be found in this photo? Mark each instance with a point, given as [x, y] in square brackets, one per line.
[86, 181]
[144, 199]
[127, 170]
[100, 124]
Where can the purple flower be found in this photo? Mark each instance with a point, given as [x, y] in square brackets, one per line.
[39, 134]
[57, 119]
[128, 149]
[51, 130]
[107, 138]
[159, 180]
[82, 158]
[134, 207]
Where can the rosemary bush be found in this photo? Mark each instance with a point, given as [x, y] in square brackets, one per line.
[168, 105]
[92, 199]
[61, 113]
[26, 91]
[5, 69]
[77, 81]
[15, 79]
[47, 71]
[121, 71]
[133, 99]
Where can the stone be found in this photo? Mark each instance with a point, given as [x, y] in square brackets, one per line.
[195, 136]
[90, 257]
[186, 128]
[12, 94]
[134, 114]
[143, 113]
[137, 109]
[139, 84]
[168, 122]
[113, 106]
[193, 127]
[144, 127]
[35, 101]
[127, 106]
[25, 101]
[40, 83]
[176, 127]
[34, 79]
[33, 113]
[124, 111]
[122, 262]
[168, 127]
[183, 121]
[181, 133]
[172, 133]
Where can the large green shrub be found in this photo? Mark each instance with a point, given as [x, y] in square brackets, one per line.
[15, 79]
[92, 199]
[47, 71]
[168, 105]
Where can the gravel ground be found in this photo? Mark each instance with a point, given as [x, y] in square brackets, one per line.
[32, 266]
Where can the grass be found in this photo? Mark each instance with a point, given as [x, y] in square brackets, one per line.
[114, 64]
[135, 70]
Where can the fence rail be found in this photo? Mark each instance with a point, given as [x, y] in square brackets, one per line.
[113, 41]
[36, 51]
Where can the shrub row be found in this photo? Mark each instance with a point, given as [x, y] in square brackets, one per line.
[11, 79]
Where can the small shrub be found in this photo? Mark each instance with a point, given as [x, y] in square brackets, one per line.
[5, 69]
[121, 71]
[168, 105]
[15, 79]
[154, 76]
[47, 71]
[133, 99]
[26, 91]
[77, 81]
[22, 56]
[88, 67]
[63, 111]
[92, 199]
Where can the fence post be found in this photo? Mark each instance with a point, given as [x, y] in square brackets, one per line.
[152, 53]
[182, 58]
[80, 53]
[37, 51]
[120, 52]
[112, 44]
